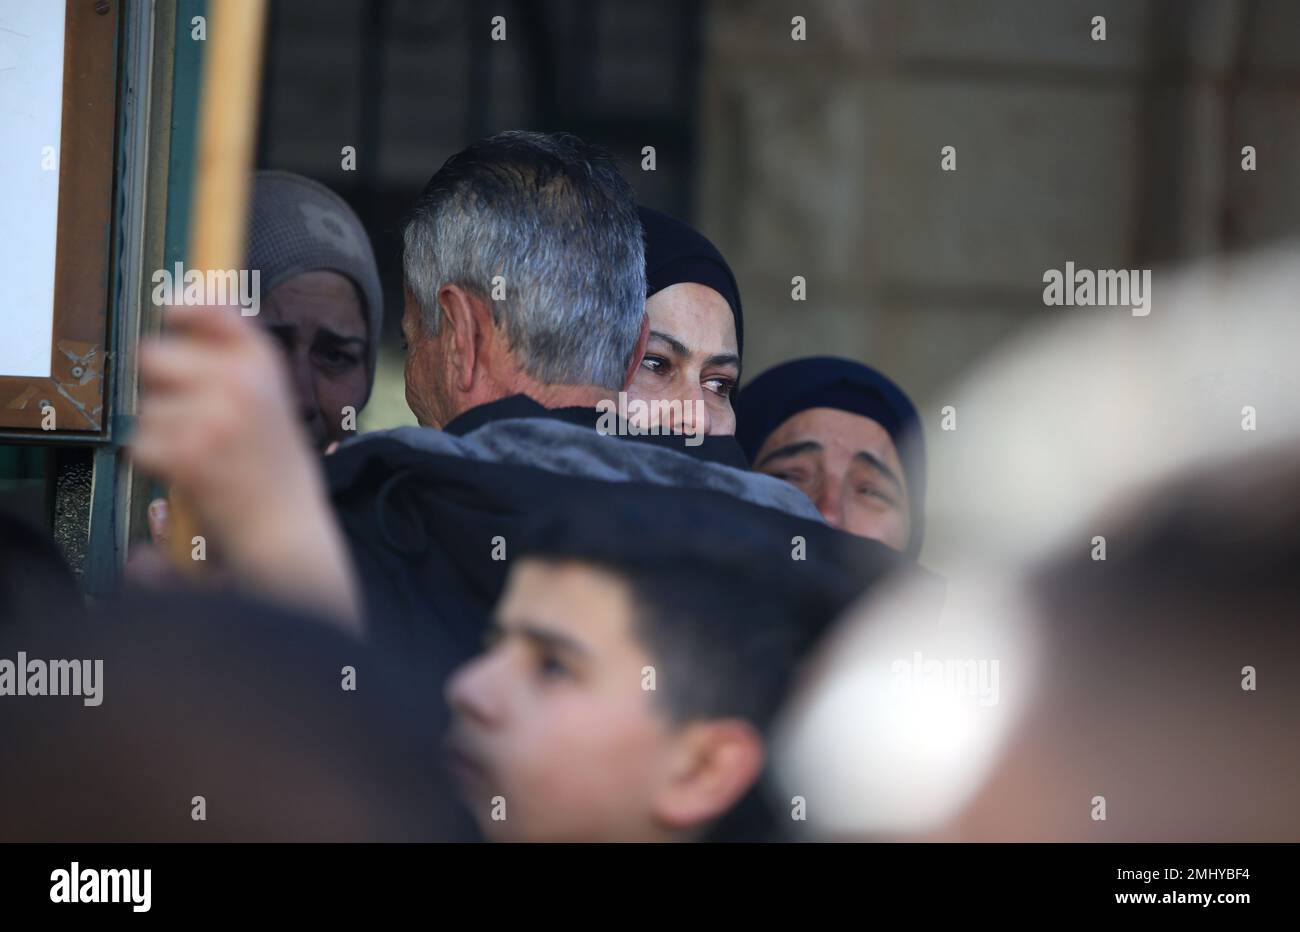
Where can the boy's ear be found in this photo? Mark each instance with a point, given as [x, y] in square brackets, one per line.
[717, 762]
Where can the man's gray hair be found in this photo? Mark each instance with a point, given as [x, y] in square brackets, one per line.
[553, 217]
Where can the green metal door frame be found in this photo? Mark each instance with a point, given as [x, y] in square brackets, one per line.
[159, 74]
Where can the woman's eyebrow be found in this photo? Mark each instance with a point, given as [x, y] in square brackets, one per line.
[790, 449]
[674, 344]
[862, 456]
[681, 349]
[334, 337]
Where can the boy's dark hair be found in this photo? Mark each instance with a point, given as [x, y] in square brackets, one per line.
[720, 648]
[724, 606]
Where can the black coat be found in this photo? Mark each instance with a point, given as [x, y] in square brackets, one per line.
[423, 526]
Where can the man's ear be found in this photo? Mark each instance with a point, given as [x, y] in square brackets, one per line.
[463, 315]
[635, 362]
[717, 763]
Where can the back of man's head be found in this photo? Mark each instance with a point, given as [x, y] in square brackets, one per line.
[545, 229]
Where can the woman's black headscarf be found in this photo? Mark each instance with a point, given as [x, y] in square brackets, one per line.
[676, 253]
[828, 382]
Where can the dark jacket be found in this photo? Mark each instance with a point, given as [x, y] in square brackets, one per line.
[429, 515]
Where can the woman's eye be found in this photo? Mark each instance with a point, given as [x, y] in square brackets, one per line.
[337, 358]
[720, 386]
[655, 364]
[870, 491]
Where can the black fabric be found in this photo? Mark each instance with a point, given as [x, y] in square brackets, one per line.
[696, 540]
[423, 526]
[676, 253]
[845, 385]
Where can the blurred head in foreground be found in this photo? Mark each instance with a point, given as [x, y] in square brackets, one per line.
[1173, 699]
[641, 648]
[204, 718]
[1150, 696]
[34, 578]
[848, 437]
[1117, 656]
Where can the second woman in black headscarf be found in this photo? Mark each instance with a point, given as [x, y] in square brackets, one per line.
[846, 435]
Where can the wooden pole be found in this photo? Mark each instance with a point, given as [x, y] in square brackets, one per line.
[228, 106]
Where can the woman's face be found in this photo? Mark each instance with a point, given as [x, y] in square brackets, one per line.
[848, 465]
[317, 319]
[690, 359]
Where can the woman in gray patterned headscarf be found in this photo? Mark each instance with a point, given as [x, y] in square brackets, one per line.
[320, 297]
